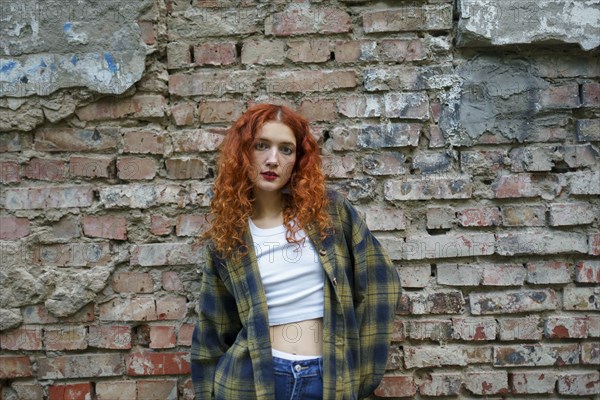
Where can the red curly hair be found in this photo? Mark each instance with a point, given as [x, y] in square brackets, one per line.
[304, 195]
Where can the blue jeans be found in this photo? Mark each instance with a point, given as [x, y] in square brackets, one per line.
[298, 379]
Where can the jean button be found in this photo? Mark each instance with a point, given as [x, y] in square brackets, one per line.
[298, 367]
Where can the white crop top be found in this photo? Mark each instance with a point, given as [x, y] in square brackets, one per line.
[291, 273]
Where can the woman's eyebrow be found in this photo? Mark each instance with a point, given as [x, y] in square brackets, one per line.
[267, 140]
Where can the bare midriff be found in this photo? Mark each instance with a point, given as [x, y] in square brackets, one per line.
[301, 337]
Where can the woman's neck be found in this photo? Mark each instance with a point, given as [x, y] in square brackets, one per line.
[267, 206]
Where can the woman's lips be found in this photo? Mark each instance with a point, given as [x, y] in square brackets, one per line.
[269, 175]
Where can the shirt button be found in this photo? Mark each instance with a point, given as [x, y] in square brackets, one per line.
[298, 367]
[323, 252]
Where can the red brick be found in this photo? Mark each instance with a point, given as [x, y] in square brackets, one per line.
[171, 281]
[406, 105]
[528, 328]
[563, 96]
[349, 51]
[164, 389]
[396, 386]
[48, 197]
[171, 307]
[116, 390]
[135, 168]
[309, 81]
[37, 314]
[72, 254]
[441, 384]
[513, 301]
[535, 355]
[22, 338]
[515, 186]
[475, 329]
[215, 111]
[147, 30]
[566, 327]
[483, 216]
[74, 139]
[318, 110]
[487, 382]
[188, 390]
[215, 54]
[15, 367]
[138, 106]
[44, 170]
[191, 224]
[160, 225]
[108, 227]
[587, 271]
[594, 244]
[183, 114]
[162, 337]
[150, 363]
[75, 391]
[544, 272]
[298, 19]
[9, 172]
[409, 18]
[308, 51]
[504, 274]
[80, 366]
[13, 228]
[185, 168]
[66, 337]
[531, 382]
[591, 94]
[135, 309]
[184, 336]
[360, 106]
[197, 140]
[134, 282]
[579, 383]
[401, 50]
[90, 167]
[116, 337]
[212, 83]
[524, 215]
[144, 142]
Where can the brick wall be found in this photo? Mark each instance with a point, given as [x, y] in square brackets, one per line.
[475, 161]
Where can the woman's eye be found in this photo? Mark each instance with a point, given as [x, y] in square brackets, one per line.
[287, 151]
[260, 146]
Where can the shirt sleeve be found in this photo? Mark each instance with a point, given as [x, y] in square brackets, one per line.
[376, 295]
[216, 330]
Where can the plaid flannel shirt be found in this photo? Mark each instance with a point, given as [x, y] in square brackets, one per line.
[231, 347]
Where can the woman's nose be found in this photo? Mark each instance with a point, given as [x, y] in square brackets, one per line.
[272, 157]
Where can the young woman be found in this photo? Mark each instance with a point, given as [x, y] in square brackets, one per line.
[297, 297]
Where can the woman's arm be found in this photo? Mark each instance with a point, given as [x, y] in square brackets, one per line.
[216, 330]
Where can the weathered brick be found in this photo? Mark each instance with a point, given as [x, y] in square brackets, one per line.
[576, 383]
[9, 172]
[191, 224]
[403, 78]
[171, 307]
[429, 187]
[503, 274]
[536, 355]
[399, 332]
[15, 367]
[162, 337]
[183, 114]
[116, 337]
[440, 217]
[584, 182]
[590, 353]
[160, 225]
[348, 51]
[562, 96]
[12, 141]
[566, 327]
[147, 31]
[578, 156]
[214, 83]
[394, 358]
[164, 389]
[23, 338]
[184, 336]
[415, 276]
[384, 218]
[196, 140]
[590, 92]
[481, 162]
[396, 386]
[540, 242]
[409, 18]
[162, 254]
[487, 382]
[318, 110]
[215, 54]
[73, 139]
[108, 227]
[428, 163]
[544, 272]
[587, 271]
[443, 302]
[27, 390]
[145, 363]
[185, 168]
[90, 167]
[48, 197]
[532, 382]
[12, 228]
[309, 81]
[516, 186]
[215, 111]
[434, 356]
[80, 366]
[588, 130]
[513, 301]
[482, 216]
[594, 244]
[72, 254]
[474, 328]
[136, 168]
[594, 325]
[141, 196]
[144, 142]
[178, 55]
[197, 26]
[66, 337]
[44, 169]
[134, 309]
[406, 105]
[420, 247]
[116, 390]
[74, 391]
[433, 329]
[524, 215]
[301, 18]
[136, 282]
[459, 275]
[188, 390]
[581, 298]
[308, 51]
[527, 328]
[441, 384]
[400, 50]
[139, 106]
[536, 158]
[577, 213]
[263, 52]
[360, 106]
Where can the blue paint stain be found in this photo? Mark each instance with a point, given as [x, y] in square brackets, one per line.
[112, 66]
[43, 63]
[74, 60]
[8, 66]
[67, 27]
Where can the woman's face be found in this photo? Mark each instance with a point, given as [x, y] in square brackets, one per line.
[273, 157]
